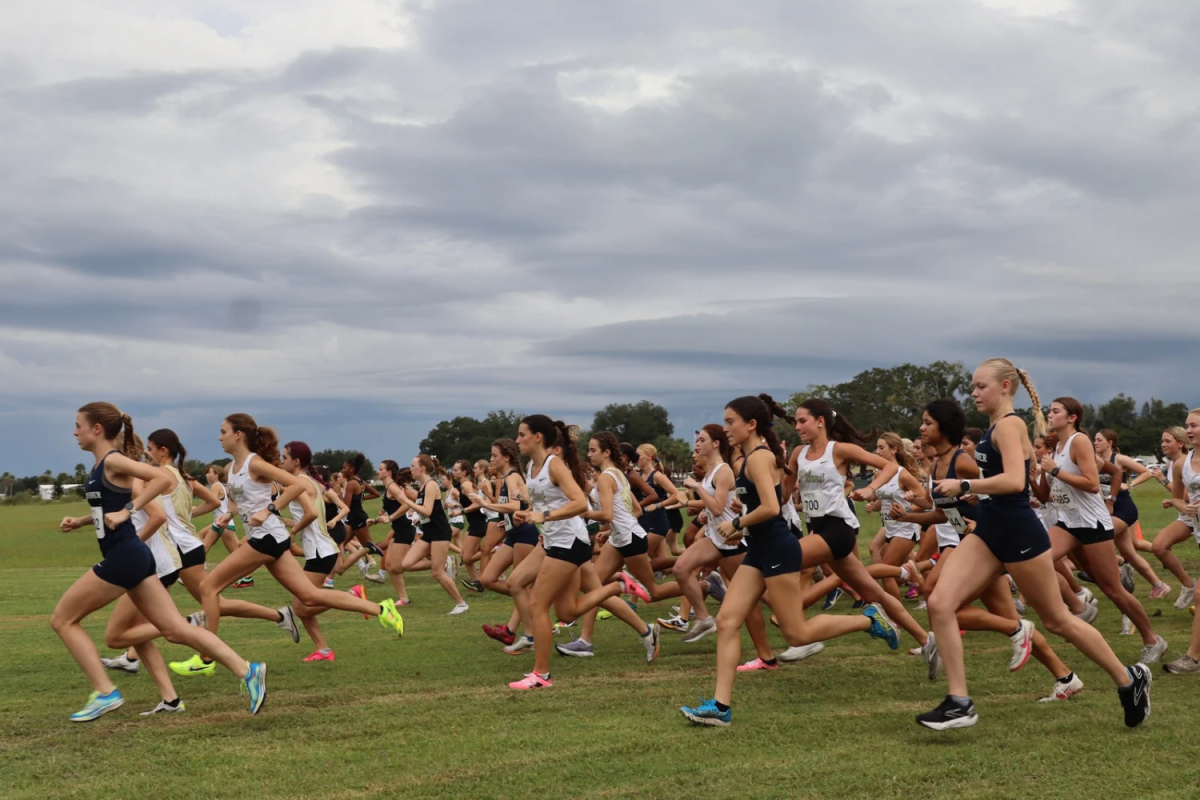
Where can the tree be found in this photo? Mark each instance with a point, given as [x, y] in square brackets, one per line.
[336, 459]
[7, 480]
[892, 398]
[81, 474]
[469, 438]
[195, 468]
[58, 487]
[636, 423]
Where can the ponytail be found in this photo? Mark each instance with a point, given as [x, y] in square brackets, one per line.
[751, 408]
[167, 438]
[718, 435]
[1004, 370]
[837, 427]
[555, 432]
[114, 423]
[264, 442]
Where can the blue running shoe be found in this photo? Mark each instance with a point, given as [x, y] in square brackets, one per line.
[256, 683]
[859, 603]
[831, 598]
[707, 713]
[98, 705]
[881, 626]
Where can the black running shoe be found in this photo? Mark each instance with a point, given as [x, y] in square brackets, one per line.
[949, 715]
[373, 549]
[1083, 576]
[1135, 698]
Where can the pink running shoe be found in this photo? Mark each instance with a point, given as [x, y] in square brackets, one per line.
[361, 593]
[404, 602]
[1162, 590]
[755, 665]
[911, 593]
[630, 586]
[532, 681]
[326, 655]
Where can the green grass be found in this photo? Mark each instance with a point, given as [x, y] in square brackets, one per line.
[430, 715]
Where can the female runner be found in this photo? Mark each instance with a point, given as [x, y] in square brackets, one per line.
[127, 566]
[1009, 536]
[773, 558]
[1124, 510]
[519, 542]
[255, 453]
[1185, 497]
[900, 492]
[395, 514]
[464, 475]
[435, 530]
[336, 511]
[654, 519]
[357, 519]
[1174, 447]
[215, 475]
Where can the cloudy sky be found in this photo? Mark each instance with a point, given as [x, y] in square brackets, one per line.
[354, 219]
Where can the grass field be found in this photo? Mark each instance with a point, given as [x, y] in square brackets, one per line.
[430, 715]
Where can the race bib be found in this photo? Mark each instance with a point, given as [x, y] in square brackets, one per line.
[813, 504]
[508, 526]
[245, 519]
[98, 521]
[1105, 491]
[955, 518]
[1062, 496]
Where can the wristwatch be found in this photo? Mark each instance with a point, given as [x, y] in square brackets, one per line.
[129, 506]
[737, 523]
[964, 487]
[1054, 472]
[271, 507]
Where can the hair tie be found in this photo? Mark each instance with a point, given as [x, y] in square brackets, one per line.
[833, 412]
[771, 424]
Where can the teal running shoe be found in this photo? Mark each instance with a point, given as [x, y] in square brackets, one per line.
[881, 626]
[256, 683]
[707, 713]
[98, 705]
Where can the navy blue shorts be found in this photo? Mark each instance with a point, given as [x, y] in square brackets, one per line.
[656, 522]
[268, 546]
[127, 564]
[1011, 531]
[1093, 535]
[1125, 509]
[776, 552]
[638, 547]
[193, 558]
[579, 553]
[321, 566]
[522, 534]
[837, 533]
[675, 518]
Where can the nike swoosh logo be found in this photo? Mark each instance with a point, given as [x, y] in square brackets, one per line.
[1026, 550]
[775, 566]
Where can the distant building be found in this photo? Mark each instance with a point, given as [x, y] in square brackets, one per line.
[46, 490]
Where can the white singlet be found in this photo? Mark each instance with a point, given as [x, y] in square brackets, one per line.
[1191, 488]
[823, 488]
[546, 497]
[178, 506]
[315, 538]
[714, 521]
[624, 525]
[252, 497]
[1076, 508]
[166, 554]
[890, 494]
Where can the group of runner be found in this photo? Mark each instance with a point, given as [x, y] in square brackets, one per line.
[569, 527]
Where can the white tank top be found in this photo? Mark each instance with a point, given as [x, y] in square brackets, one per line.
[1191, 488]
[223, 508]
[546, 497]
[315, 538]
[488, 514]
[823, 488]
[252, 497]
[890, 494]
[787, 510]
[624, 525]
[1076, 508]
[178, 506]
[714, 520]
[166, 555]
[1048, 513]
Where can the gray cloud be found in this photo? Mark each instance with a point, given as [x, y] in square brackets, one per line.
[468, 205]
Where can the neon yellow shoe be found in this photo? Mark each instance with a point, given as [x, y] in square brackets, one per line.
[193, 666]
[604, 613]
[389, 617]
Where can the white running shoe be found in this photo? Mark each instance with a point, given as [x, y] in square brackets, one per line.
[700, 629]
[1126, 626]
[801, 652]
[451, 567]
[650, 642]
[933, 660]
[1085, 594]
[363, 567]
[519, 645]
[1153, 653]
[1187, 594]
[378, 577]
[1089, 613]
[197, 619]
[163, 708]
[716, 586]
[461, 608]
[288, 623]
[1064, 691]
[1022, 645]
[121, 663]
